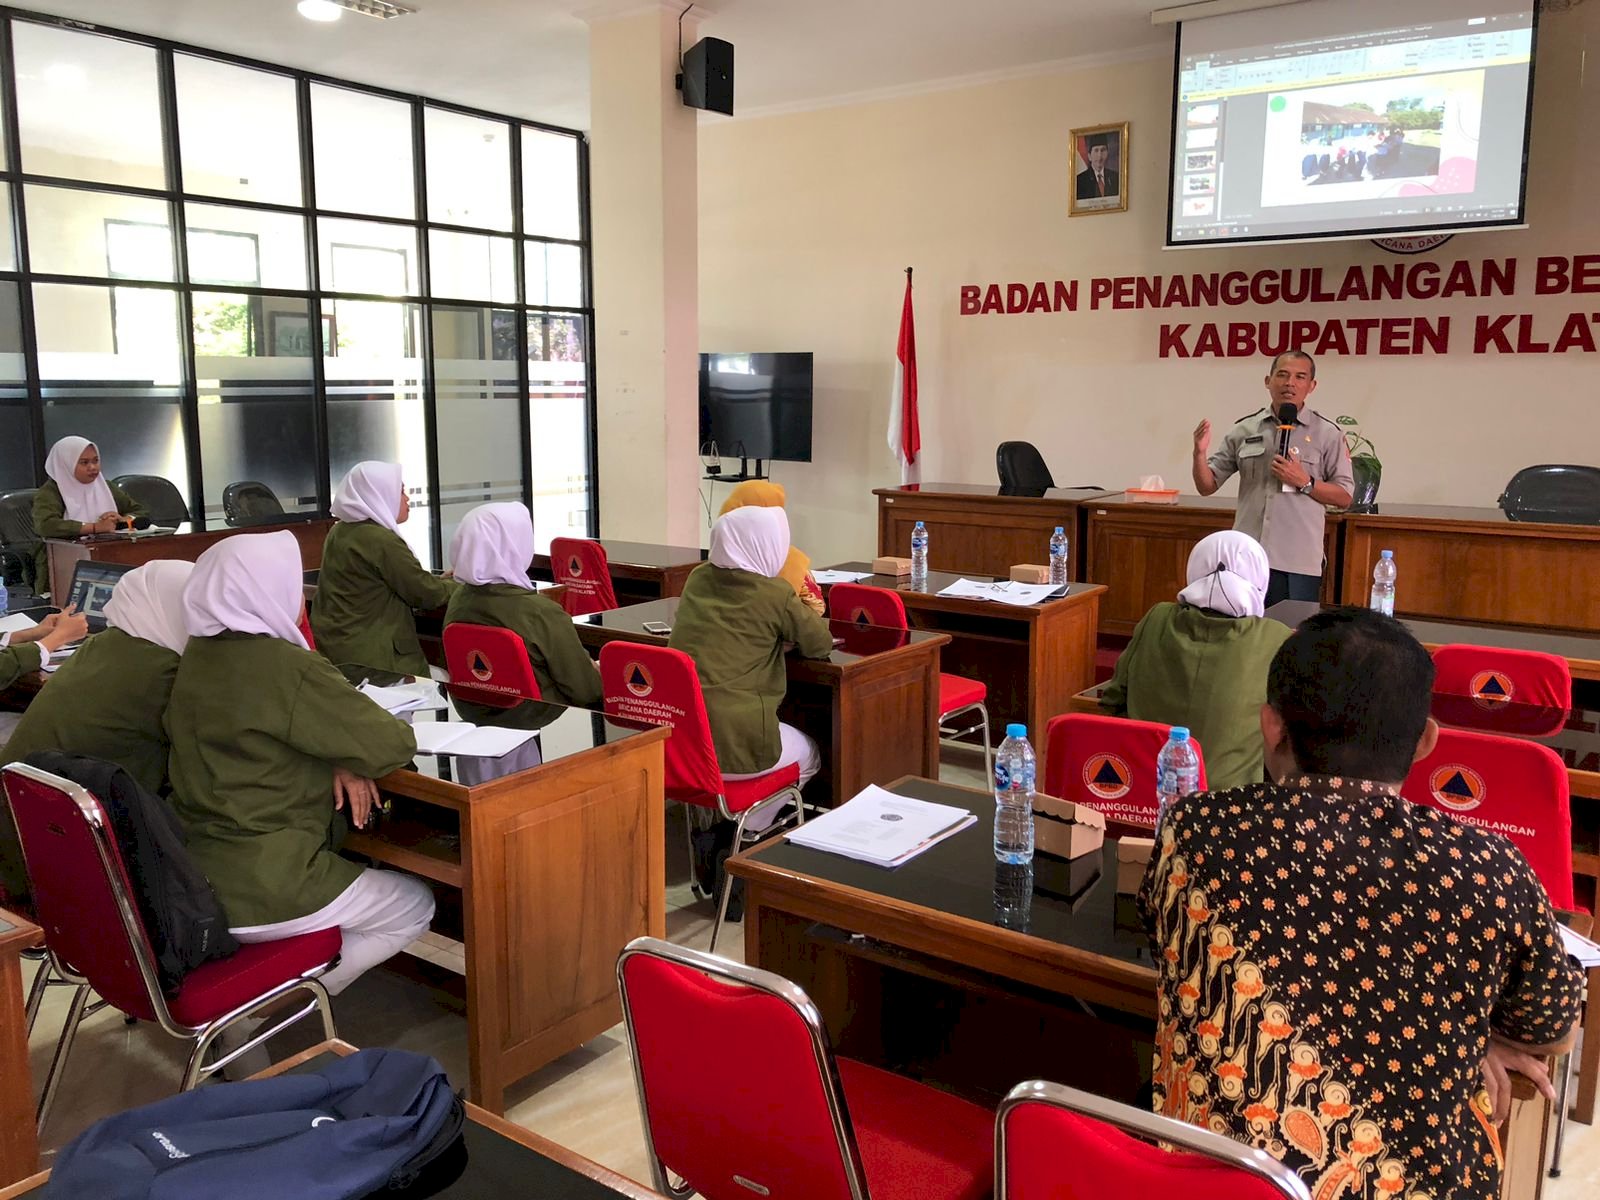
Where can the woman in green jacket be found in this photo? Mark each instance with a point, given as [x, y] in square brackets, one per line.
[736, 619]
[108, 699]
[269, 742]
[490, 554]
[1202, 662]
[370, 581]
[76, 500]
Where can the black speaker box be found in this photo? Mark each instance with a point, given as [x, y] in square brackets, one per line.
[708, 75]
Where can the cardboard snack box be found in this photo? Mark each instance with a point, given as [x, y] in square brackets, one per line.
[890, 565]
[1133, 857]
[1064, 829]
[1030, 573]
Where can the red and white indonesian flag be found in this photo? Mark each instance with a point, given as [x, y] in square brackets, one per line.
[905, 436]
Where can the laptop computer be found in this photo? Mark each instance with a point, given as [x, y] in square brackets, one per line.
[92, 585]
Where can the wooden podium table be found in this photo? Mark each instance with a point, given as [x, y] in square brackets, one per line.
[19, 1142]
[980, 527]
[556, 860]
[872, 705]
[187, 543]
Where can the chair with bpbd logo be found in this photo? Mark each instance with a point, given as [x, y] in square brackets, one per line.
[488, 665]
[1109, 763]
[1495, 679]
[581, 566]
[661, 686]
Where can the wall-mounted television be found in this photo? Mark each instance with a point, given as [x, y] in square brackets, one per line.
[756, 406]
[1351, 119]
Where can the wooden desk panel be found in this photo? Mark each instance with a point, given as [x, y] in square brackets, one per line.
[559, 867]
[188, 545]
[1496, 572]
[976, 529]
[19, 1141]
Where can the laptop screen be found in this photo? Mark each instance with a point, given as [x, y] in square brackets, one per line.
[92, 585]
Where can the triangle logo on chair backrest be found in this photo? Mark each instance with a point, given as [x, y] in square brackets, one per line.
[1457, 788]
[1107, 776]
[638, 679]
[478, 664]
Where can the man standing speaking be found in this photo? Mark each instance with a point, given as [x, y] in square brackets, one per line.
[1293, 464]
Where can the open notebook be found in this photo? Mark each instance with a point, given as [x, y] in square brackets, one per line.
[467, 740]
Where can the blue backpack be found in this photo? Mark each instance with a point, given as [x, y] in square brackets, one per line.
[363, 1124]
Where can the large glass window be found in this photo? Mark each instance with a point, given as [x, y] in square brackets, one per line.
[428, 306]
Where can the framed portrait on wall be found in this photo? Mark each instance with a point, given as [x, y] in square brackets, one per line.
[1099, 170]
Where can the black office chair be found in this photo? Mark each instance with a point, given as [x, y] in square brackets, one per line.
[1559, 494]
[19, 542]
[250, 503]
[1021, 467]
[160, 497]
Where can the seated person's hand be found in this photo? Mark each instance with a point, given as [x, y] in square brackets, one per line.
[106, 524]
[361, 794]
[62, 628]
[1503, 1058]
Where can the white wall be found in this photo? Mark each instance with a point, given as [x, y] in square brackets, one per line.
[807, 220]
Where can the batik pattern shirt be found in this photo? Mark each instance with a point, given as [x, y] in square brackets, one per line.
[1333, 959]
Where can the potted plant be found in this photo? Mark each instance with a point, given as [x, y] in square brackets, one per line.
[1364, 466]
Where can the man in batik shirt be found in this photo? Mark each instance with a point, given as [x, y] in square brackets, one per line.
[1347, 977]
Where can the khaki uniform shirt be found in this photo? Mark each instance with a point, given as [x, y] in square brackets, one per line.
[367, 587]
[257, 725]
[1288, 525]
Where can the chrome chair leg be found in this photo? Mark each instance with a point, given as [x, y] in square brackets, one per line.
[727, 885]
[988, 748]
[69, 1034]
[41, 981]
[1561, 1115]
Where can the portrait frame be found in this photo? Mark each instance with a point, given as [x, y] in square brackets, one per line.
[1115, 136]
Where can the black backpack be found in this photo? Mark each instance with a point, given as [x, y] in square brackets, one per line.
[184, 918]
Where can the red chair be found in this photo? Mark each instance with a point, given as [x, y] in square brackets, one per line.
[97, 938]
[661, 686]
[1493, 678]
[1503, 783]
[1057, 1143]
[792, 1122]
[582, 566]
[958, 695]
[1109, 763]
[488, 665]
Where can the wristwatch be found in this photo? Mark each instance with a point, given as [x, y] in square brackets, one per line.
[1306, 491]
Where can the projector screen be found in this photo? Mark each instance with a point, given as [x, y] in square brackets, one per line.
[1350, 118]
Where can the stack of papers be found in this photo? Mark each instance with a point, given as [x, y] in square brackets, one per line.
[16, 622]
[1006, 591]
[832, 577]
[405, 697]
[879, 827]
[1580, 948]
[469, 741]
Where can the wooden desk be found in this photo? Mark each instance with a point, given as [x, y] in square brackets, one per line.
[639, 570]
[981, 527]
[494, 1152]
[1033, 658]
[872, 705]
[554, 868]
[1066, 992]
[1142, 551]
[1472, 564]
[19, 1142]
[187, 544]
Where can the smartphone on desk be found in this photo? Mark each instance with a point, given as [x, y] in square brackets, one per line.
[660, 628]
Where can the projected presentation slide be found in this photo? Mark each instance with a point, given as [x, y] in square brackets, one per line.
[1347, 124]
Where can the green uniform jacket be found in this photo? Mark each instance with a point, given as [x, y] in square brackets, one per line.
[1187, 666]
[368, 585]
[50, 521]
[566, 673]
[106, 701]
[257, 726]
[17, 661]
[735, 624]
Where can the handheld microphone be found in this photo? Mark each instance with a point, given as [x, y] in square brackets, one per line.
[1286, 420]
[138, 522]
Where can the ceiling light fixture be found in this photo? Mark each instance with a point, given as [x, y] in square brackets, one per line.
[319, 10]
[383, 10]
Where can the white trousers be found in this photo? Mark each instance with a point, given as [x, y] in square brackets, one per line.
[797, 749]
[379, 915]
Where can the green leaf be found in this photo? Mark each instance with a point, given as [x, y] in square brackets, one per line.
[1347, 421]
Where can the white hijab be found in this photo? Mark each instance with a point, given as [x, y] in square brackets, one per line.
[1227, 574]
[494, 544]
[751, 539]
[85, 501]
[148, 603]
[248, 583]
[370, 492]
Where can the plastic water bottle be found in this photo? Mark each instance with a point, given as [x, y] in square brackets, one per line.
[919, 551]
[5, 596]
[1383, 584]
[1058, 556]
[1177, 771]
[1013, 797]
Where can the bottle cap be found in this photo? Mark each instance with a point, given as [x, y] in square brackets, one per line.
[1016, 731]
[919, 524]
[1387, 554]
[1059, 529]
[1179, 733]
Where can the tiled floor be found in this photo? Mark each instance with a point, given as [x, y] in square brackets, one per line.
[585, 1100]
